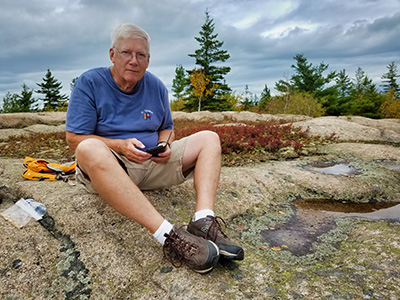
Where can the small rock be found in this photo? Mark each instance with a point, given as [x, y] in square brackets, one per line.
[166, 269]
[17, 263]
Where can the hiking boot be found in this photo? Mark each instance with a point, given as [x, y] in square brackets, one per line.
[197, 253]
[209, 228]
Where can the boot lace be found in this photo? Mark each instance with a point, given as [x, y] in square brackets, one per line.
[215, 228]
[177, 249]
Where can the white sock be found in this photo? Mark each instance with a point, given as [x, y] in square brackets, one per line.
[202, 214]
[165, 227]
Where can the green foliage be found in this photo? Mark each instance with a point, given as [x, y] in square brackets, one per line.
[232, 100]
[249, 100]
[10, 103]
[180, 83]
[265, 98]
[206, 56]
[26, 102]
[295, 102]
[389, 78]
[309, 78]
[359, 97]
[19, 103]
[391, 105]
[50, 87]
[72, 84]
[365, 99]
[177, 105]
[340, 101]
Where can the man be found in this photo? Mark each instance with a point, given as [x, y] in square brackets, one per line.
[114, 115]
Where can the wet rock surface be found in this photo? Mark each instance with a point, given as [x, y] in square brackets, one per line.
[91, 251]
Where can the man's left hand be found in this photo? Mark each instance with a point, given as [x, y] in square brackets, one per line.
[162, 157]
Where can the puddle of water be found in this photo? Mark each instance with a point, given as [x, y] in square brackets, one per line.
[344, 208]
[313, 217]
[332, 168]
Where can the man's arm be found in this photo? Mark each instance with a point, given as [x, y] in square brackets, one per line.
[127, 147]
[164, 134]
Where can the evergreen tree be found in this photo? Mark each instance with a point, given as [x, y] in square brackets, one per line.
[248, 100]
[25, 100]
[72, 84]
[179, 83]
[309, 78]
[51, 88]
[265, 98]
[19, 103]
[339, 106]
[10, 103]
[390, 78]
[209, 53]
[365, 99]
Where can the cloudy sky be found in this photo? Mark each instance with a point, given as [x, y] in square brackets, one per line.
[262, 37]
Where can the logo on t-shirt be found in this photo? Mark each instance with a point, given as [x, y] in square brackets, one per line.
[147, 114]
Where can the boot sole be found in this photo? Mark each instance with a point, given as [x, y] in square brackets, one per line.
[233, 256]
[214, 261]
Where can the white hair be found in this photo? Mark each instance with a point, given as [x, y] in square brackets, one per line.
[129, 31]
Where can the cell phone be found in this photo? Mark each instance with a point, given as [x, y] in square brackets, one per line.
[154, 151]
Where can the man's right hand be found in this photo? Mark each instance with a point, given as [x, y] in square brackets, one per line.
[129, 148]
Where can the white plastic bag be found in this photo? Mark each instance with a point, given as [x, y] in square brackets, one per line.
[23, 211]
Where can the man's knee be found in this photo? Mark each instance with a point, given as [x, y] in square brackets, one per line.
[209, 138]
[91, 149]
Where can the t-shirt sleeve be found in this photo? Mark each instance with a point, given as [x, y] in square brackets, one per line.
[81, 114]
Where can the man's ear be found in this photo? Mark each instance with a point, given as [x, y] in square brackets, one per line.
[112, 54]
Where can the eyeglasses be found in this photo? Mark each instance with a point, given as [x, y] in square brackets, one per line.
[128, 55]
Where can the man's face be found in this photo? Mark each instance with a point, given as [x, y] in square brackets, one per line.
[131, 59]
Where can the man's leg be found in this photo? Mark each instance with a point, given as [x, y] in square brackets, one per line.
[114, 185]
[203, 152]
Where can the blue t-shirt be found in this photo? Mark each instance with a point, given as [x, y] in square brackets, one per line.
[98, 106]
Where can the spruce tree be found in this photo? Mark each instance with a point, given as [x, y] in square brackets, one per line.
[390, 78]
[365, 99]
[25, 100]
[206, 56]
[179, 83]
[19, 103]
[51, 88]
[265, 98]
[10, 103]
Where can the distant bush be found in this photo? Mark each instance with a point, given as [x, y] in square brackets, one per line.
[391, 105]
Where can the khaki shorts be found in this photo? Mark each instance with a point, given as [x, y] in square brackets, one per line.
[149, 175]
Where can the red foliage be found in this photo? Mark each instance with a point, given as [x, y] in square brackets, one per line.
[248, 138]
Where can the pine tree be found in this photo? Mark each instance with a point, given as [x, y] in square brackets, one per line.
[390, 78]
[10, 103]
[365, 99]
[309, 78]
[72, 84]
[51, 89]
[340, 103]
[265, 98]
[179, 83]
[25, 100]
[248, 100]
[209, 53]
[19, 103]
